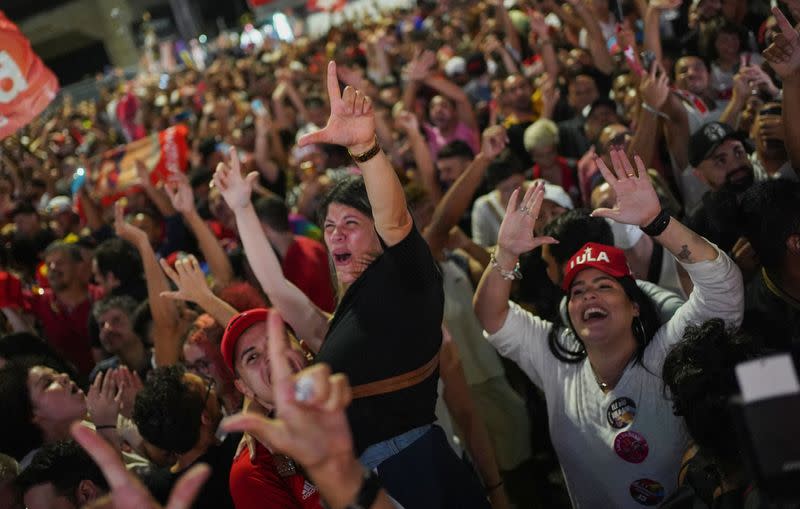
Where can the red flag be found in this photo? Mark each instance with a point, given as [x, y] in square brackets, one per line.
[114, 173]
[325, 5]
[26, 85]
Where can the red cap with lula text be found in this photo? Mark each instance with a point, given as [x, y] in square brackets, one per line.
[236, 327]
[608, 259]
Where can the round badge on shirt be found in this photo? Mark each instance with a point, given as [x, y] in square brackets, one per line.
[631, 446]
[647, 492]
[621, 412]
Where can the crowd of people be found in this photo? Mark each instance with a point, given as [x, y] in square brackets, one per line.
[483, 254]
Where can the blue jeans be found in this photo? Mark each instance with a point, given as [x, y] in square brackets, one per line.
[376, 454]
[420, 470]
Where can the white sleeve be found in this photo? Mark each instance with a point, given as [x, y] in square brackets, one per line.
[523, 340]
[718, 293]
[480, 226]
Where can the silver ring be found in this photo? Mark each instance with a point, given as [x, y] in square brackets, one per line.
[303, 389]
[524, 209]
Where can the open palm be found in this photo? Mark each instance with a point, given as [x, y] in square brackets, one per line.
[352, 120]
[234, 188]
[516, 231]
[637, 202]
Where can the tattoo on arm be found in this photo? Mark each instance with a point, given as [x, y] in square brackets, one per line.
[685, 255]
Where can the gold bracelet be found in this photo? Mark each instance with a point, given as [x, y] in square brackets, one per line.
[369, 154]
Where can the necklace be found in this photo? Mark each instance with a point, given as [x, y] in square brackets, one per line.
[604, 386]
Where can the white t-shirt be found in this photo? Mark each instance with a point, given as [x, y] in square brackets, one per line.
[621, 449]
[487, 214]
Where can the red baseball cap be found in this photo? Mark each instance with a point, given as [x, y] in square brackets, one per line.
[608, 259]
[236, 327]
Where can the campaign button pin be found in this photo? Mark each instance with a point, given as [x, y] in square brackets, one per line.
[631, 446]
[647, 492]
[621, 412]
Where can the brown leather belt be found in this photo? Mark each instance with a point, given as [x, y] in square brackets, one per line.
[396, 383]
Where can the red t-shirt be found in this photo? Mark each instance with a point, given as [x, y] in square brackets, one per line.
[306, 265]
[257, 484]
[66, 329]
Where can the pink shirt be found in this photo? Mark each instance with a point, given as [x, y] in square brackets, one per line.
[436, 140]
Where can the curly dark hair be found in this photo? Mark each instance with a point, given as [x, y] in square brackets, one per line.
[168, 410]
[20, 435]
[64, 465]
[699, 374]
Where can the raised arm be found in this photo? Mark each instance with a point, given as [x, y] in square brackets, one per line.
[167, 322]
[422, 154]
[652, 24]
[352, 125]
[545, 44]
[466, 113]
[450, 209]
[637, 204]
[182, 199]
[654, 91]
[157, 196]
[192, 287]
[266, 166]
[308, 322]
[515, 238]
[784, 57]
[596, 42]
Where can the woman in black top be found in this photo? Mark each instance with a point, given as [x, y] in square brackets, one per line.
[388, 320]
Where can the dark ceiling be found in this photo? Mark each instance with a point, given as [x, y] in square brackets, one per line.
[17, 10]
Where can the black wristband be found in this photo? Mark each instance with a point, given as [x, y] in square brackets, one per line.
[658, 225]
[370, 487]
[106, 426]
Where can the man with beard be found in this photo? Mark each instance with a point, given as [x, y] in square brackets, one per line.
[770, 159]
[63, 309]
[720, 160]
[114, 316]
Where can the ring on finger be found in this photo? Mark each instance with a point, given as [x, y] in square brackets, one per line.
[524, 209]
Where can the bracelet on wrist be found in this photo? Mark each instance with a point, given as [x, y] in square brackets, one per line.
[654, 111]
[105, 426]
[365, 156]
[509, 275]
[657, 225]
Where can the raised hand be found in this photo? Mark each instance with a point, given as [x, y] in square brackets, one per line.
[784, 52]
[550, 95]
[408, 122]
[538, 23]
[103, 400]
[758, 79]
[352, 120]
[180, 193]
[420, 68]
[516, 231]
[493, 141]
[637, 202]
[234, 188]
[127, 491]
[654, 88]
[188, 277]
[129, 385]
[124, 229]
[311, 426]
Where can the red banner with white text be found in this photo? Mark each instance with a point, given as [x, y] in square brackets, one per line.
[26, 85]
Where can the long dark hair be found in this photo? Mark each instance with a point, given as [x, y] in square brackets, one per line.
[644, 327]
[349, 190]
